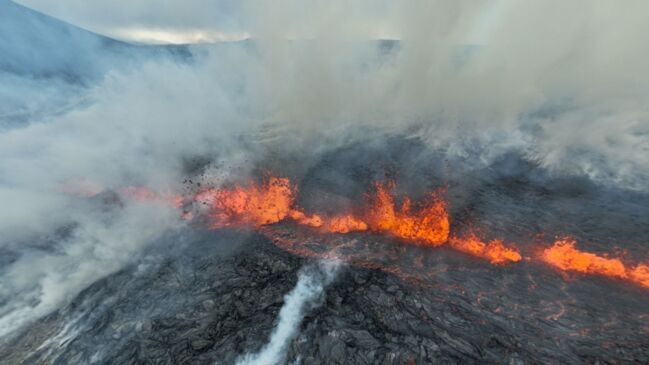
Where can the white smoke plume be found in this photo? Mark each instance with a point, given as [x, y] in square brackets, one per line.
[306, 295]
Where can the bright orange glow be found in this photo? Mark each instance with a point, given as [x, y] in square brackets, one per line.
[563, 255]
[254, 205]
[640, 274]
[301, 218]
[271, 202]
[495, 250]
[429, 225]
[344, 224]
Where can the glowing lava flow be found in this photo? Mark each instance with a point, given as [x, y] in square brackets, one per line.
[253, 205]
[564, 256]
[495, 250]
[273, 201]
[268, 203]
[424, 224]
[430, 225]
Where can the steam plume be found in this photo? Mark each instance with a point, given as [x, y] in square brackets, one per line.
[305, 296]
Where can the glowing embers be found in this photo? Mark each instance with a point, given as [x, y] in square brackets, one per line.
[564, 256]
[428, 225]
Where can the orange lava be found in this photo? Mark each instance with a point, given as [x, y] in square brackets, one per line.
[426, 223]
[429, 225]
[268, 203]
[495, 250]
[640, 274]
[254, 205]
[272, 201]
[564, 256]
[344, 224]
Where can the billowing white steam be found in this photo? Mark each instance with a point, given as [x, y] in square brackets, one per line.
[306, 295]
[565, 83]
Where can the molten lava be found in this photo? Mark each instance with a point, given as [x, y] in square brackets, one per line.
[273, 200]
[254, 205]
[564, 256]
[344, 224]
[267, 203]
[426, 223]
[429, 225]
[495, 250]
[640, 274]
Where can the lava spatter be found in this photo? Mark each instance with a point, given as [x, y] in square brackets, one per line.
[429, 225]
[253, 205]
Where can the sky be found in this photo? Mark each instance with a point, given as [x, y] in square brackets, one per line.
[194, 21]
[153, 21]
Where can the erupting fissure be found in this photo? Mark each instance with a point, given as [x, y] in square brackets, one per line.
[274, 200]
[425, 223]
[268, 203]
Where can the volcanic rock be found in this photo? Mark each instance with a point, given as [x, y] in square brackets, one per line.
[225, 302]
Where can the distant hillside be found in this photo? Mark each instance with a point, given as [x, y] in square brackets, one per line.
[32, 43]
[46, 64]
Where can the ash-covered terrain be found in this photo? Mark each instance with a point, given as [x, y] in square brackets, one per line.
[402, 183]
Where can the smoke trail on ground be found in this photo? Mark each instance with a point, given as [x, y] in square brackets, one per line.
[306, 295]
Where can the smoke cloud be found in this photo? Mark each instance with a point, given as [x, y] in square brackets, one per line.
[564, 84]
[306, 295]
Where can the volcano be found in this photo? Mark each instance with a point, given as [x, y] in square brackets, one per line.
[470, 190]
[402, 296]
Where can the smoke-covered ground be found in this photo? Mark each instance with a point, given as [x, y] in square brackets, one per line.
[531, 116]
